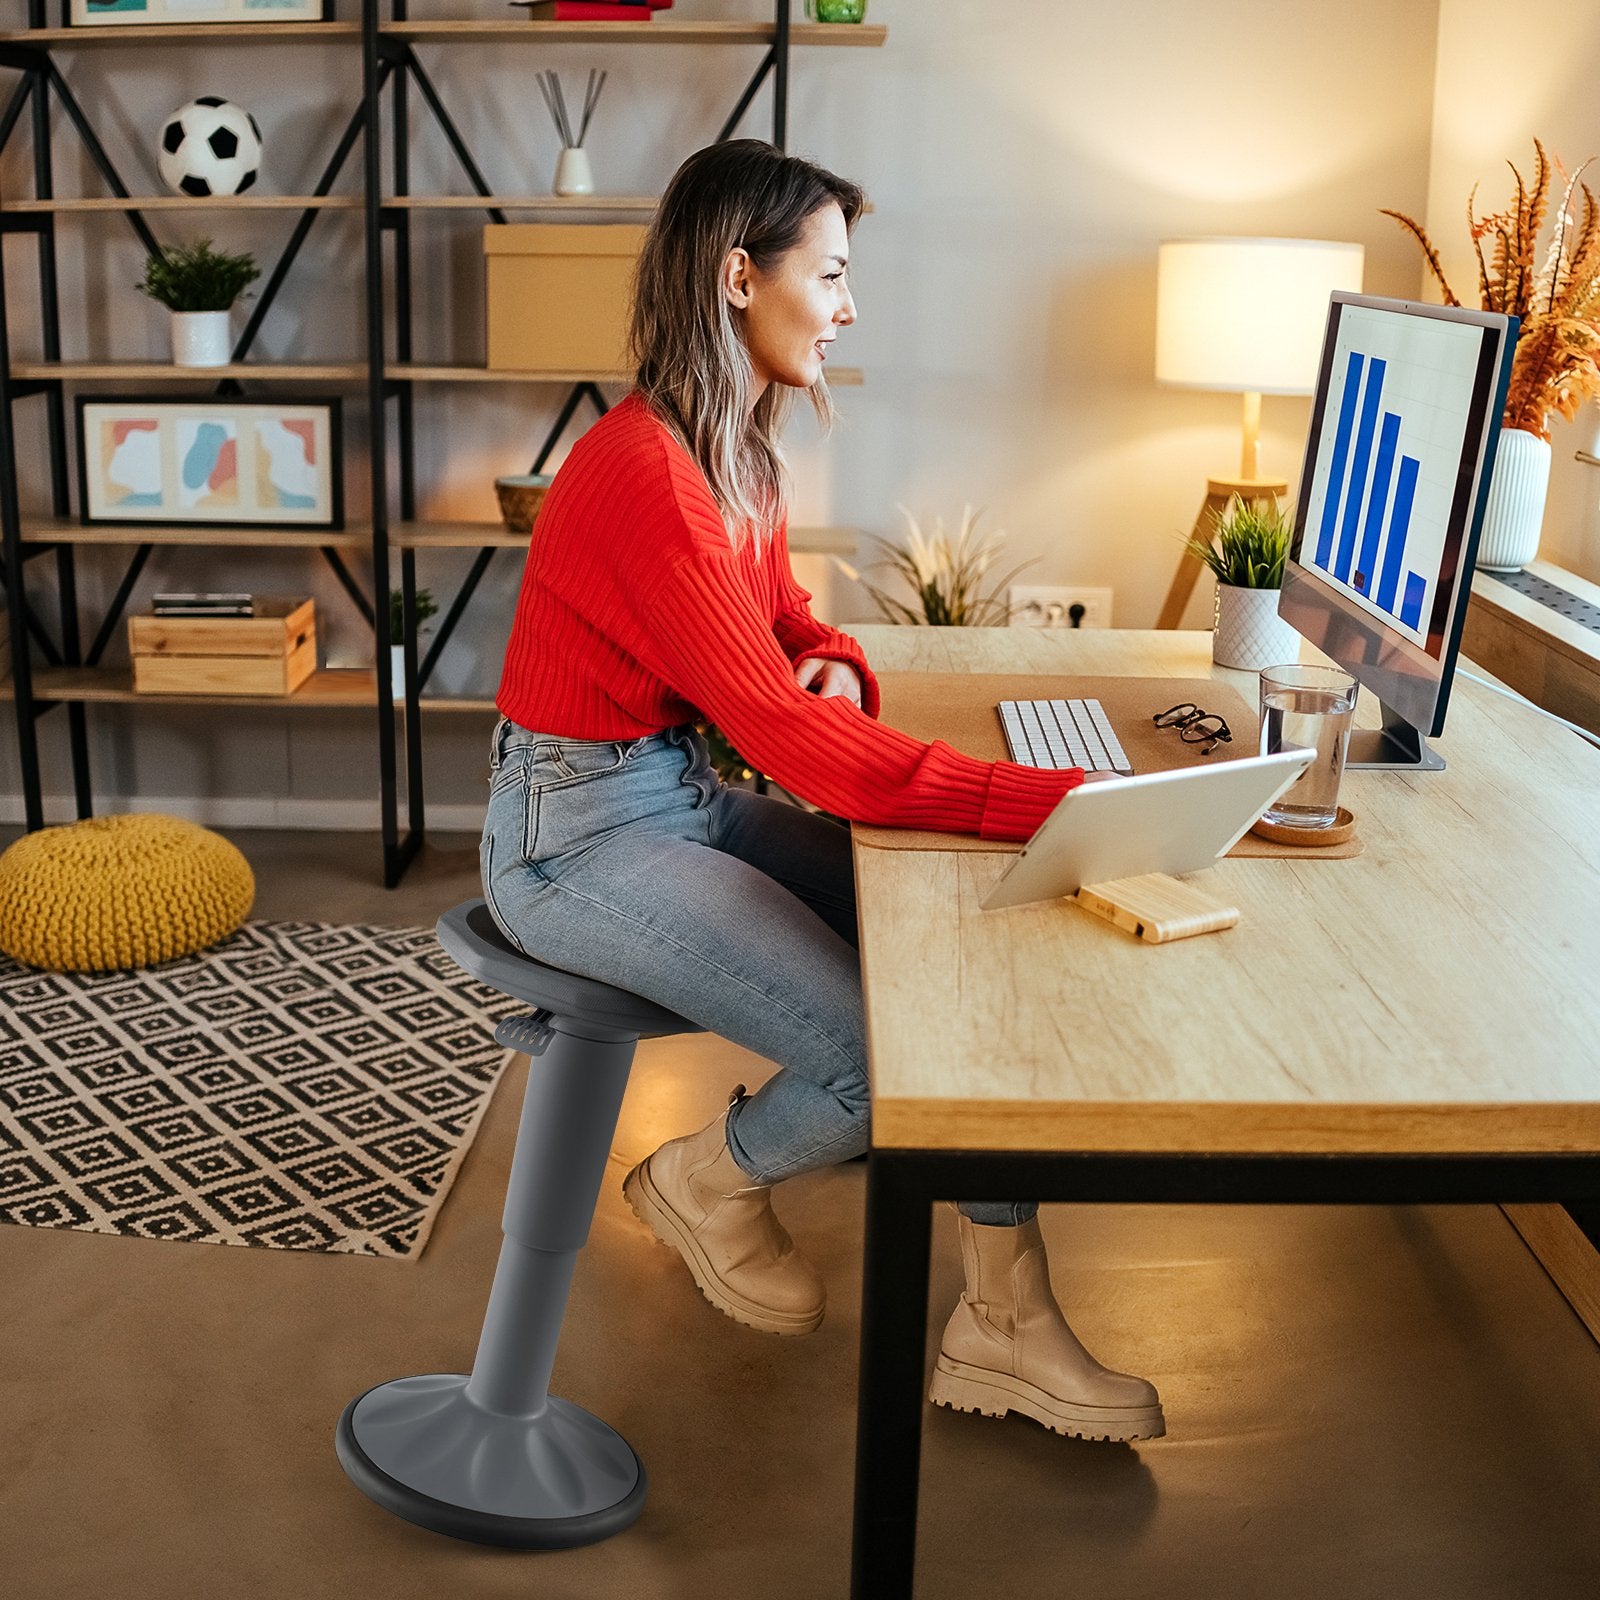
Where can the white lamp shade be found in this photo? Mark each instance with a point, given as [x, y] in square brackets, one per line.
[1247, 315]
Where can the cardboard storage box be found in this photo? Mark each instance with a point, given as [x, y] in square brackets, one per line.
[271, 652]
[558, 294]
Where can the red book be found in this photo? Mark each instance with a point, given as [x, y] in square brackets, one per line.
[589, 10]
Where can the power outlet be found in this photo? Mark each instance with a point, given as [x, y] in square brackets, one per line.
[1053, 606]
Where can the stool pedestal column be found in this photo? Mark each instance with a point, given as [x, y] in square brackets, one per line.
[493, 1457]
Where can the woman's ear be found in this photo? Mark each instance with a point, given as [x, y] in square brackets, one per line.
[736, 278]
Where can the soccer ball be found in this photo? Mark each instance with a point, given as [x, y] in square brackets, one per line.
[210, 146]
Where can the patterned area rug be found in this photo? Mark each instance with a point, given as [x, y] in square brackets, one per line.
[300, 1086]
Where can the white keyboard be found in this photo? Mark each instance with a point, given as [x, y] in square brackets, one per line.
[1062, 733]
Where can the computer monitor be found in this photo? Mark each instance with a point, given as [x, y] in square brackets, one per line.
[1397, 466]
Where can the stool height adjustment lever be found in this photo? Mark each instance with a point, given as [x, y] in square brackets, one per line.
[531, 1034]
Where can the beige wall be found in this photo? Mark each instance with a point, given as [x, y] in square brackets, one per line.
[1024, 160]
[1493, 97]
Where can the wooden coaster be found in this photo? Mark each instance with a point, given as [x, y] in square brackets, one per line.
[1343, 826]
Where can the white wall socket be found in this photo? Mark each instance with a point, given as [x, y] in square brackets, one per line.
[1051, 606]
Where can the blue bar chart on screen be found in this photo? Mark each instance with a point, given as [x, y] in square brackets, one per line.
[1393, 429]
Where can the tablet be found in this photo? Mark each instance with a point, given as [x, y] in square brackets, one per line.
[1177, 821]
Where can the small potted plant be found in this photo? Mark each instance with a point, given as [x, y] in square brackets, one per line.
[944, 573]
[422, 610]
[1246, 553]
[198, 285]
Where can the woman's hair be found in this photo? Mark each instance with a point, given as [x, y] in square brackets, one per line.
[694, 369]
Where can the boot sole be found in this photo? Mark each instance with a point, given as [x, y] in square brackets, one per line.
[965, 1388]
[647, 1204]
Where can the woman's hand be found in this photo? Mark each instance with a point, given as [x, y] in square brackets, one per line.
[824, 678]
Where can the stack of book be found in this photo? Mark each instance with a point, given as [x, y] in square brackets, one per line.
[205, 604]
[591, 10]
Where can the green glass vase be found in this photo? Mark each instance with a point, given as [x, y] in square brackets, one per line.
[836, 10]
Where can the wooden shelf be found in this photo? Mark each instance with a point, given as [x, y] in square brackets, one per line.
[166, 372]
[455, 536]
[184, 202]
[353, 536]
[632, 204]
[487, 535]
[419, 372]
[187, 33]
[63, 530]
[823, 541]
[331, 689]
[341, 372]
[801, 34]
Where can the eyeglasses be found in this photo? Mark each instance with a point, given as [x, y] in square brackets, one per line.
[1195, 726]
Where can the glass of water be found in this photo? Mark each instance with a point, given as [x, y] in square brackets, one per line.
[1312, 708]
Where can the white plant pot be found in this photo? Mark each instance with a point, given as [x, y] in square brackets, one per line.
[1250, 633]
[573, 175]
[397, 672]
[1514, 515]
[201, 339]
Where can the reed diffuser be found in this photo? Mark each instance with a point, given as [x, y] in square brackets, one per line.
[573, 175]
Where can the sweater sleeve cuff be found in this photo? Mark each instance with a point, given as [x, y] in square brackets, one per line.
[841, 647]
[1020, 798]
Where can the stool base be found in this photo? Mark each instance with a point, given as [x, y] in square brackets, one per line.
[422, 1450]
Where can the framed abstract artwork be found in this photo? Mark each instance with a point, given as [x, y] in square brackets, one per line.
[222, 463]
[132, 13]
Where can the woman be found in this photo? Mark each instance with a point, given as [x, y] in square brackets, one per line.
[657, 590]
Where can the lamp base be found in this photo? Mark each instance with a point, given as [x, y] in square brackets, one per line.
[1219, 491]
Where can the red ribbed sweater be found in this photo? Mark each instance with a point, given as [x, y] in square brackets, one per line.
[636, 614]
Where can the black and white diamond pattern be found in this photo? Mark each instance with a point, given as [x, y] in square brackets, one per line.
[300, 1086]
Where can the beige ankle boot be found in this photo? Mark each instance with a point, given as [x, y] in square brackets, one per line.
[695, 1197]
[1007, 1347]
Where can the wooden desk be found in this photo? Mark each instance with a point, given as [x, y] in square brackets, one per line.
[1418, 1024]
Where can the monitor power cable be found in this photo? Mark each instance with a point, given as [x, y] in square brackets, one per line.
[1511, 694]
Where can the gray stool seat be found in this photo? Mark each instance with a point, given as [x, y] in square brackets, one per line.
[493, 1456]
[474, 941]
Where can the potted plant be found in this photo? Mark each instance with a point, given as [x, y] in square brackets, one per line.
[198, 285]
[1555, 290]
[1246, 553]
[422, 610]
[945, 576]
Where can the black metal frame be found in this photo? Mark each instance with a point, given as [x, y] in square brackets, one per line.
[386, 63]
[401, 58]
[40, 79]
[902, 1185]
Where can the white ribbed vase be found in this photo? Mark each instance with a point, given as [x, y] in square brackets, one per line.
[1250, 633]
[201, 339]
[1514, 514]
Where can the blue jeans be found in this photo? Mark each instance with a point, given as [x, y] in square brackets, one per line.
[629, 861]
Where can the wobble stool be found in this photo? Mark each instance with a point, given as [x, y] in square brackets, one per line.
[492, 1456]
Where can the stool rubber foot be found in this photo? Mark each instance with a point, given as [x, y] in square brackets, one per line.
[421, 1450]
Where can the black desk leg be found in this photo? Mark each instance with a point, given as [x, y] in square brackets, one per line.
[894, 1338]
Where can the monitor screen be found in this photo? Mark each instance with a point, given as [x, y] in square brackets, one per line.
[1397, 464]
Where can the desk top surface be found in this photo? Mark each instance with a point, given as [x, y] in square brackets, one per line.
[1439, 992]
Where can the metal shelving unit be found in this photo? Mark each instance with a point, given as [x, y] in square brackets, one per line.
[68, 674]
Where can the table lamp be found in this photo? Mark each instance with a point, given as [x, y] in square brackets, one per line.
[1243, 316]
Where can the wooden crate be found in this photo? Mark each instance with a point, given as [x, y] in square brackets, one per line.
[271, 652]
[558, 294]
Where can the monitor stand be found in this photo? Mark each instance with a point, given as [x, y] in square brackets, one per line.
[1395, 747]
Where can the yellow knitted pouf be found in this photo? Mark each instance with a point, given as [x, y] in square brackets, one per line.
[113, 892]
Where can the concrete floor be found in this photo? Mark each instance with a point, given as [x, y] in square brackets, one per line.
[1362, 1402]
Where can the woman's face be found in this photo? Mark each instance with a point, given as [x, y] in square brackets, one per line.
[793, 313]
